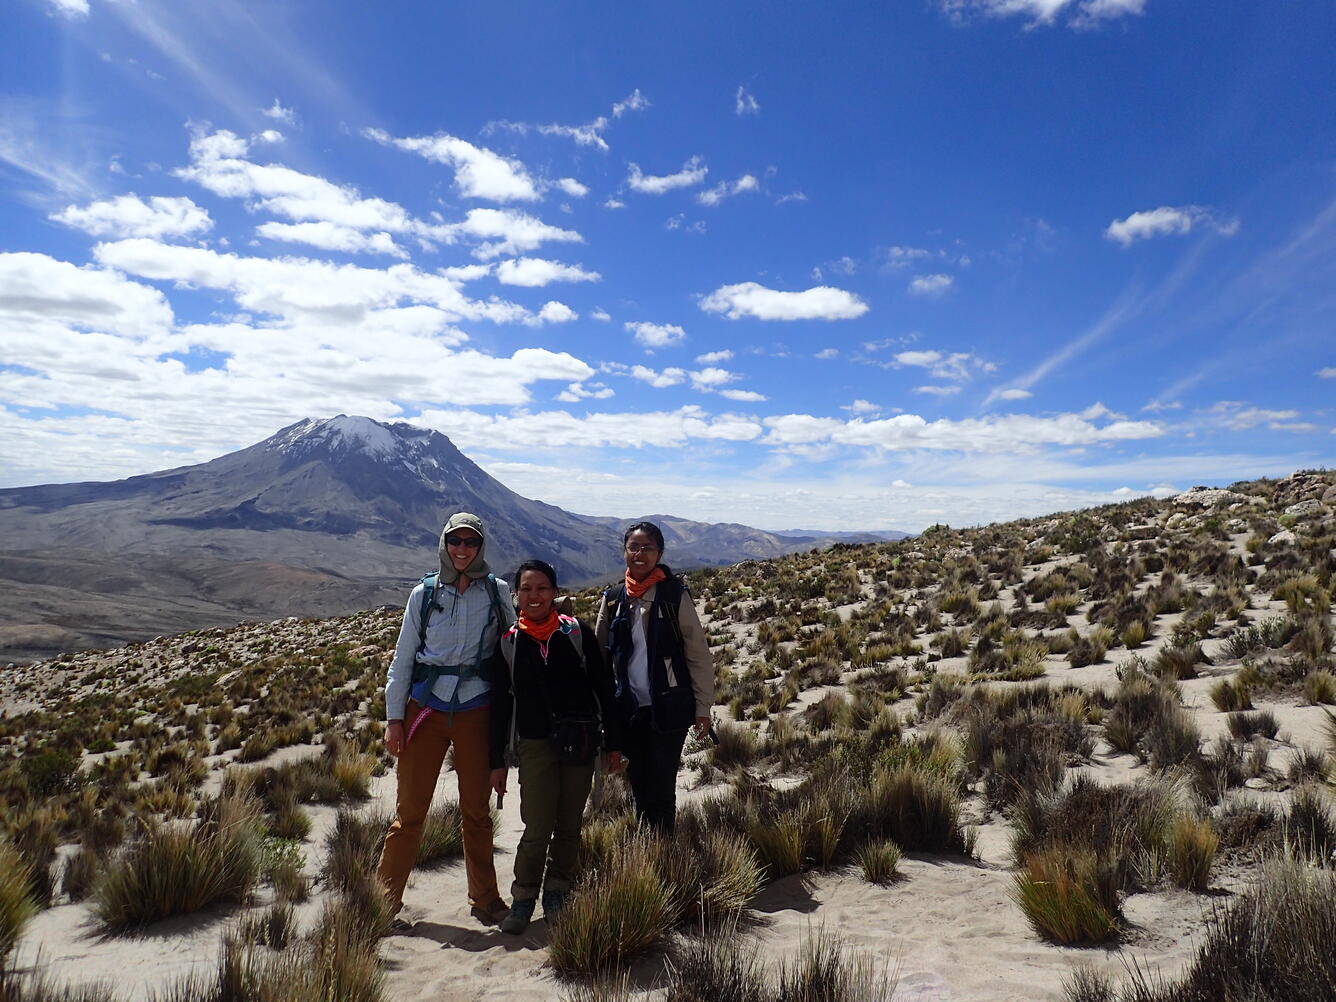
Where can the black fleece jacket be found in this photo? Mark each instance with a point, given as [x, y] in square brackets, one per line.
[544, 690]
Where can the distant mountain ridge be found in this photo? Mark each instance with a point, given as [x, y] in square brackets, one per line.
[323, 517]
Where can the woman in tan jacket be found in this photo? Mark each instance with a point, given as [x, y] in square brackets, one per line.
[663, 671]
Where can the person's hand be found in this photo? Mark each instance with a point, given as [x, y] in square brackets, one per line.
[702, 727]
[499, 781]
[394, 737]
[614, 763]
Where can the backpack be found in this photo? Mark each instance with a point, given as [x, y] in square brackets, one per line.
[431, 674]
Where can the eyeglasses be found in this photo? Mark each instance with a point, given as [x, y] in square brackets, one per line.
[468, 542]
[634, 550]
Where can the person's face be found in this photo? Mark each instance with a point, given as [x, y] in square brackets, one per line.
[536, 595]
[642, 554]
[462, 546]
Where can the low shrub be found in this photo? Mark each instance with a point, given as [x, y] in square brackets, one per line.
[1177, 663]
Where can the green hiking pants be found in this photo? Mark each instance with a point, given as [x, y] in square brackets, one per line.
[552, 800]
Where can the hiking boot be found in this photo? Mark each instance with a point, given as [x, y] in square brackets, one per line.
[490, 914]
[553, 903]
[518, 918]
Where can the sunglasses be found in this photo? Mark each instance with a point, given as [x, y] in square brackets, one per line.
[469, 542]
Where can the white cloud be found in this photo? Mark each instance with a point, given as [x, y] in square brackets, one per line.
[270, 136]
[600, 315]
[1239, 416]
[506, 231]
[931, 285]
[861, 407]
[727, 189]
[1327, 373]
[745, 103]
[749, 299]
[479, 172]
[614, 203]
[131, 216]
[580, 391]
[744, 396]
[902, 257]
[665, 429]
[656, 335]
[332, 236]
[1167, 221]
[278, 113]
[304, 289]
[589, 134]
[37, 290]
[679, 222]
[958, 366]
[938, 391]
[1014, 394]
[635, 102]
[659, 379]
[1012, 434]
[553, 312]
[693, 172]
[69, 8]
[712, 357]
[1079, 13]
[793, 196]
[572, 187]
[534, 271]
[828, 353]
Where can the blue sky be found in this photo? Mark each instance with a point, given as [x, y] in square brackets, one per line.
[788, 265]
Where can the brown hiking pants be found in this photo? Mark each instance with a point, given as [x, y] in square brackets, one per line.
[419, 768]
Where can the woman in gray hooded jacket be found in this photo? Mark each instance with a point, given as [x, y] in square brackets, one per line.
[437, 697]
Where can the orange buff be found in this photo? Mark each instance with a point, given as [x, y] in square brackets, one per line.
[636, 588]
[541, 631]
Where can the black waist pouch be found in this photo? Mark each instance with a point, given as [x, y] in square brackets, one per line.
[576, 738]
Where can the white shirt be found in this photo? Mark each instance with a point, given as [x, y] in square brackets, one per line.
[637, 665]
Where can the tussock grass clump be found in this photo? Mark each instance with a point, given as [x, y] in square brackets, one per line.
[879, 860]
[738, 746]
[1126, 827]
[822, 972]
[81, 873]
[1068, 896]
[174, 870]
[1246, 726]
[1230, 695]
[353, 846]
[916, 807]
[442, 835]
[780, 841]
[1172, 739]
[615, 914]
[1192, 847]
[1309, 827]
[1271, 944]
[1320, 687]
[17, 906]
[1180, 662]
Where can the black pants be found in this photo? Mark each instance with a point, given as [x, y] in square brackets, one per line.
[653, 758]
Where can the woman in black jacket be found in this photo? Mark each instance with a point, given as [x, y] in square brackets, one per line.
[550, 713]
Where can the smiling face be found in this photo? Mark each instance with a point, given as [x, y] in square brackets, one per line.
[536, 593]
[462, 545]
[642, 554]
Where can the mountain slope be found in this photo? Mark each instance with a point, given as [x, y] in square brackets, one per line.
[324, 516]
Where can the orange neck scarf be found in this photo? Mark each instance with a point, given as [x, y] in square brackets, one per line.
[636, 588]
[542, 630]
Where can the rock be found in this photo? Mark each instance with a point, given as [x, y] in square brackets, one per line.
[1236, 525]
[1209, 497]
[1304, 509]
[1285, 536]
[1329, 495]
[1175, 520]
[1141, 531]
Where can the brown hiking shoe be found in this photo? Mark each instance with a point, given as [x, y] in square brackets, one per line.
[490, 913]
